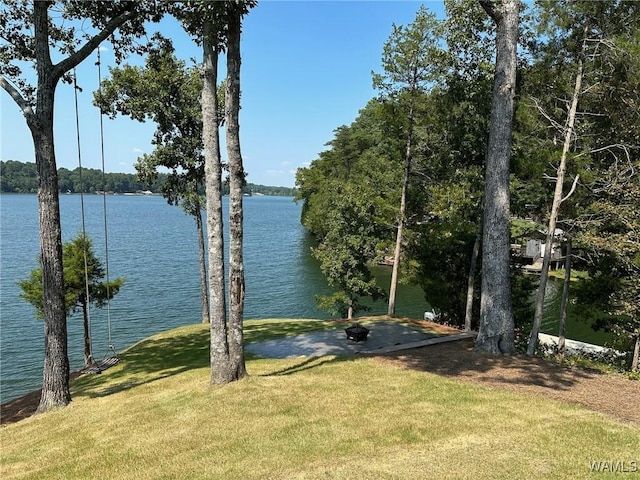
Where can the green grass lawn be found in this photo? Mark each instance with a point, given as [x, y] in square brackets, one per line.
[154, 415]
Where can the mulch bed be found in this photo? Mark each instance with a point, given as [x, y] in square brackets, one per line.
[613, 395]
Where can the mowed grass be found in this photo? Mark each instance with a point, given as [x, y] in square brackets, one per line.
[155, 415]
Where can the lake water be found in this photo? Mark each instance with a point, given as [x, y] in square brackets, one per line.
[154, 246]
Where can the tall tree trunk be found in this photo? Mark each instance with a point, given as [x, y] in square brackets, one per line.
[401, 218]
[565, 300]
[555, 207]
[471, 279]
[55, 378]
[236, 184]
[204, 288]
[496, 332]
[635, 361]
[219, 349]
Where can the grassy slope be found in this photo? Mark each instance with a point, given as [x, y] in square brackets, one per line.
[155, 416]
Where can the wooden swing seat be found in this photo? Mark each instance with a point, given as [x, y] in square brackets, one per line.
[101, 366]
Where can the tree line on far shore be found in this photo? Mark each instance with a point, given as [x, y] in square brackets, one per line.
[21, 177]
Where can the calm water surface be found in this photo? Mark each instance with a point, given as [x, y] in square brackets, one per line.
[154, 246]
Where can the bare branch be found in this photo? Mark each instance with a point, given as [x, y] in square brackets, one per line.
[590, 87]
[24, 105]
[573, 188]
[590, 114]
[542, 112]
[608, 147]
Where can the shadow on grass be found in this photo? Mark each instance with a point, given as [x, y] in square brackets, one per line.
[459, 360]
[157, 358]
[309, 363]
[261, 331]
[148, 361]
[161, 357]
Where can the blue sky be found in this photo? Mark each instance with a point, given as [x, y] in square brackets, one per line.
[306, 69]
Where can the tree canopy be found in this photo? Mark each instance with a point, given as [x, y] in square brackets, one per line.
[84, 284]
[444, 188]
[34, 35]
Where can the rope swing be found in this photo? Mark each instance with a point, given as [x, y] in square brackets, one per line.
[111, 357]
[84, 228]
[111, 348]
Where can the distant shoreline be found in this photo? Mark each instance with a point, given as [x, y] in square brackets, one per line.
[22, 177]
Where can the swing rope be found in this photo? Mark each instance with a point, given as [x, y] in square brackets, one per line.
[84, 228]
[108, 360]
[111, 348]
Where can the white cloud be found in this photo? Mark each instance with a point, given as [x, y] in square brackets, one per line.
[137, 150]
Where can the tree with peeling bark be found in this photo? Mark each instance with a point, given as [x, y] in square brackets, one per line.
[219, 357]
[409, 64]
[237, 369]
[204, 21]
[30, 32]
[217, 26]
[496, 333]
